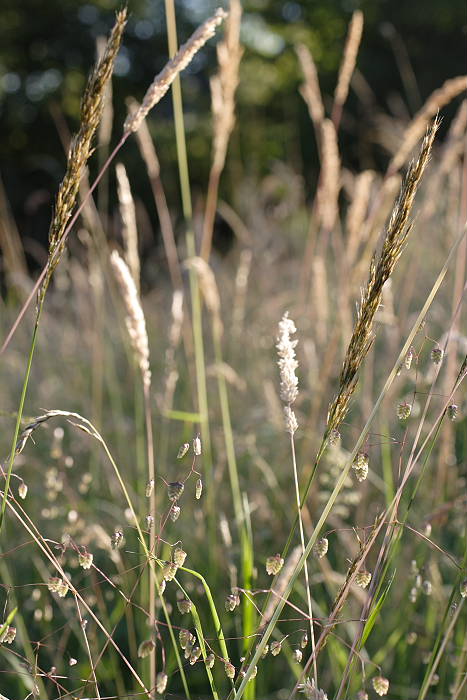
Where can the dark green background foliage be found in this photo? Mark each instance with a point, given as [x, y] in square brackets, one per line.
[47, 48]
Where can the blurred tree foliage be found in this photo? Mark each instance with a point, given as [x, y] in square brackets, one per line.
[46, 50]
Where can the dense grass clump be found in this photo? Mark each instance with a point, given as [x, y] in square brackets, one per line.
[249, 480]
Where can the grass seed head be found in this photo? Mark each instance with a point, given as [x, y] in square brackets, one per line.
[274, 564]
[229, 670]
[363, 578]
[321, 547]
[145, 648]
[381, 685]
[175, 490]
[161, 682]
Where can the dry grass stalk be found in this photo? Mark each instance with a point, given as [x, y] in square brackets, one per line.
[129, 230]
[135, 321]
[179, 62]
[208, 288]
[357, 212]
[394, 242]
[225, 83]
[347, 66]
[149, 155]
[310, 90]
[437, 100]
[223, 88]
[328, 192]
[319, 293]
[452, 152]
[80, 148]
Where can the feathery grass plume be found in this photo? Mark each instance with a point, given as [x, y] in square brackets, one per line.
[179, 62]
[437, 100]
[330, 175]
[129, 231]
[310, 90]
[381, 269]
[223, 88]
[80, 148]
[135, 321]
[347, 66]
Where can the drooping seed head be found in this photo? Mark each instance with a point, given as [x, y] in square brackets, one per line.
[175, 513]
[363, 578]
[408, 358]
[183, 450]
[274, 564]
[360, 466]
[149, 488]
[404, 410]
[321, 547]
[381, 685]
[145, 648]
[304, 640]
[85, 560]
[199, 489]
[169, 571]
[184, 606]
[116, 540]
[195, 654]
[22, 490]
[210, 659]
[229, 670]
[184, 637]
[297, 655]
[197, 446]
[276, 648]
[437, 355]
[452, 412]
[232, 601]
[179, 556]
[175, 490]
[463, 588]
[161, 682]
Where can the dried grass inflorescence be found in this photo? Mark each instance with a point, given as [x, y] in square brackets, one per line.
[447, 92]
[224, 84]
[310, 90]
[129, 230]
[179, 62]
[287, 366]
[381, 269]
[80, 148]
[135, 321]
[349, 60]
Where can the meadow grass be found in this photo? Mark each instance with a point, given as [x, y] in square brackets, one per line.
[234, 485]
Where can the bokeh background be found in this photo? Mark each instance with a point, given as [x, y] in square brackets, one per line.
[407, 51]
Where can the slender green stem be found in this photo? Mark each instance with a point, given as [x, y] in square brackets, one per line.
[182, 160]
[20, 412]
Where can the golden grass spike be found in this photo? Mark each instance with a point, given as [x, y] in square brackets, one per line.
[437, 100]
[330, 176]
[223, 88]
[135, 321]
[310, 90]
[381, 268]
[347, 66]
[80, 148]
[179, 62]
[129, 230]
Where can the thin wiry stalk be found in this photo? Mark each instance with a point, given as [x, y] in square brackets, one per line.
[196, 310]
